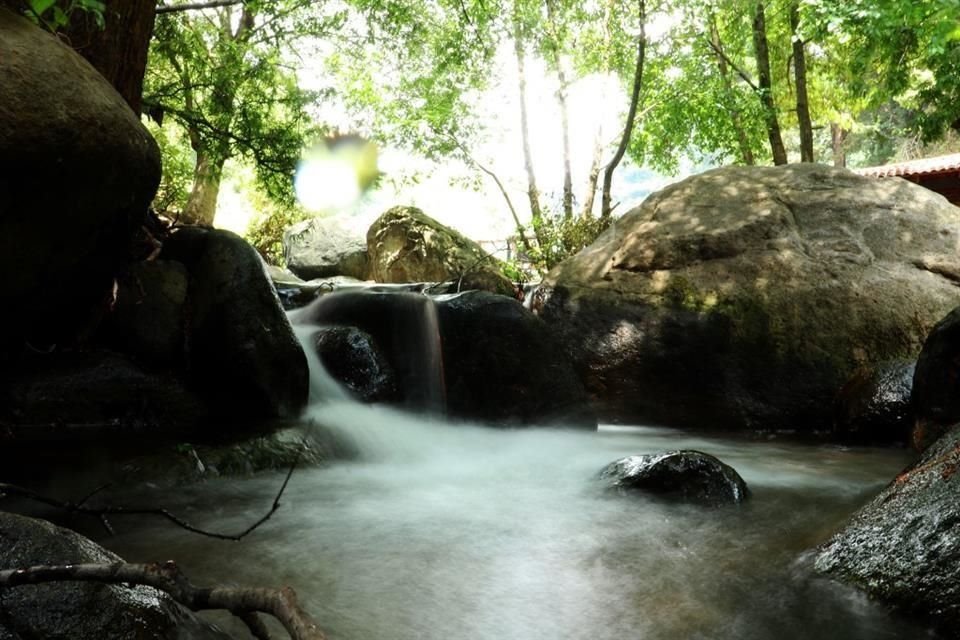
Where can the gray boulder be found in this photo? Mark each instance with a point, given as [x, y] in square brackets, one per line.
[874, 404]
[903, 548]
[406, 245]
[322, 247]
[680, 476]
[353, 358]
[77, 173]
[82, 610]
[242, 355]
[747, 296]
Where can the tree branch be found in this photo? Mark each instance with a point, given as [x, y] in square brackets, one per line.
[282, 603]
[197, 6]
[740, 72]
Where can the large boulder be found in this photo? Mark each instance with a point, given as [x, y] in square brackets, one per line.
[353, 358]
[936, 382]
[322, 247]
[82, 610]
[77, 173]
[406, 245]
[679, 476]
[242, 355]
[747, 296]
[502, 367]
[903, 548]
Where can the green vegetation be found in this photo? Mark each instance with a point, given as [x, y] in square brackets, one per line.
[716, 81]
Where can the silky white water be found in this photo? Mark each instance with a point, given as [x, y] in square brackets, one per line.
[443, 532]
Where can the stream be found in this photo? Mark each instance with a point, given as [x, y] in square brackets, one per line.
[457, 532]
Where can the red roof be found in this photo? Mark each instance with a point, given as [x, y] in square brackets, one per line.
[922, 167]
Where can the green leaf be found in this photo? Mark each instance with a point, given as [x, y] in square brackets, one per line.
[40, 7]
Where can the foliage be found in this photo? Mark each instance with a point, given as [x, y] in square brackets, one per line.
[562, 237]
[55, 14]
[178, 162]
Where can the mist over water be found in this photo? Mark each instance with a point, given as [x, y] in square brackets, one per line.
[442, 531]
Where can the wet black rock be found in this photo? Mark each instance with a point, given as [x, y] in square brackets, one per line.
[903, 548]
[682, 476]
[502, 366]
[874, 405]
[936, 383]
[82, 610]
[352, 357]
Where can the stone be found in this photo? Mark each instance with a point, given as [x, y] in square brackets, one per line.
[242, 355]
[353, 358]
[503, 367]
[679, 476]
[936, 383]
[903, 548]
[406, 245]
[148, 321]
[874, 405]
[82, 610]
[746, 297]
[77, 173]
[322, 247]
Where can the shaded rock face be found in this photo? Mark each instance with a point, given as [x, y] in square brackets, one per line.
[82, 611]
[77, 173]
[321, 247]
[874, 405]
[406, 245]
[503, 367]
[680, 476]
[352, 357]
[749, 296]
[936, 383]
[903, 548]
[242, 354]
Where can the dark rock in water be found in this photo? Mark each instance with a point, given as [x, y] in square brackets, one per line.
[406, 245]
[745, 297]
[82, 610]
[682, 476]
[874, 405]
[403, 326]
[936, 383]
[353, 358]
[903, 548]
[94, 395]
[149, 318]
[322, 247]
[242, 354]
[77, 173]
[503, 367]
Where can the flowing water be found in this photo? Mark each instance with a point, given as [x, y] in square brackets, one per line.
[456, 532]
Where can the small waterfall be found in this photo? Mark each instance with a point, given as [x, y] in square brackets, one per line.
[404, 325]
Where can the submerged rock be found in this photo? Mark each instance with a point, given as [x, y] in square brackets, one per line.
[903, 548]
[681, 476]
[747, 296]
[77, 173]
[936, 383]
[82, 610]
[406, 245]
[874, 405]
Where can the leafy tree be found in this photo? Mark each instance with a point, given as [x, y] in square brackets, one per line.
[224, 75]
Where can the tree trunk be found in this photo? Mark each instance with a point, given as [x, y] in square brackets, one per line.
[533, 193]
[765, 84]
[593, 175]
[606, 206]
[838, 136]
[743, 140]
[564, 114]
[800, 75]
[201, 207]
[119, 51]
